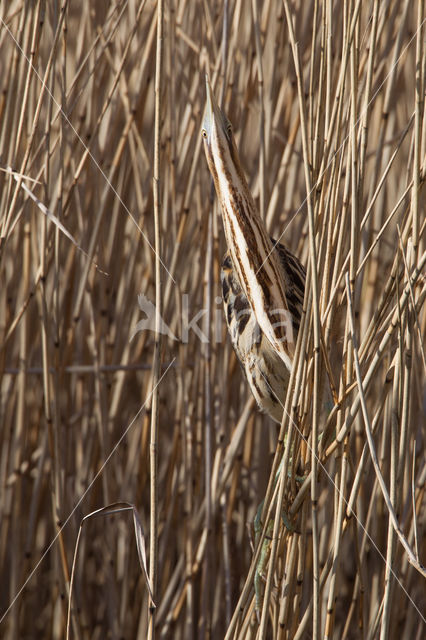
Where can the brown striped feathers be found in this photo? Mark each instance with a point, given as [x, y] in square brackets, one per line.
[263, 284]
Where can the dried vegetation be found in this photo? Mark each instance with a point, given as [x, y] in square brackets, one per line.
[326, 99]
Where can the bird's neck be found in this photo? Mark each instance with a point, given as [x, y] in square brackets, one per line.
[256, 263]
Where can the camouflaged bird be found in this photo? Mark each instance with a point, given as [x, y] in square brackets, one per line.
[262, 282]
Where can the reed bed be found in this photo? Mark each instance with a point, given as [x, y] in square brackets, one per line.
[111, 198]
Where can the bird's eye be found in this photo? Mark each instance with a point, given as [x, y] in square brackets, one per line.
[204, 133]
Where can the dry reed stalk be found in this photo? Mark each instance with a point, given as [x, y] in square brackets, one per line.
[156, 367]
[327, 103]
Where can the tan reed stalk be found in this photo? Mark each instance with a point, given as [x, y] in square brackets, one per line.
[316, 326]
[351, 113]
[156, 368]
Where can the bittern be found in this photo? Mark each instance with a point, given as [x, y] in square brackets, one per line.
[262, 282]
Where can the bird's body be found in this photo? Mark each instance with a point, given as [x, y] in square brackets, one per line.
[264, 369]
[262, 282]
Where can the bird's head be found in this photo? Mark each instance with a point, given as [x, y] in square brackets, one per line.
[219, 146]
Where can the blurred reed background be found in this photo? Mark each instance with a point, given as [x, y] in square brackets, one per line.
[77, 115]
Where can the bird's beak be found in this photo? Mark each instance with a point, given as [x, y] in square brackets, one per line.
[208, 116]
[213, 115]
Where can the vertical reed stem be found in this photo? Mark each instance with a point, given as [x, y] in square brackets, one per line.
[156, 369]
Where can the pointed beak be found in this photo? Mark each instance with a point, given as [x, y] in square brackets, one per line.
[208, 116]
[213, 115]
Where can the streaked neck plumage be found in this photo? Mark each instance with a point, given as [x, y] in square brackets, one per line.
[253, 256]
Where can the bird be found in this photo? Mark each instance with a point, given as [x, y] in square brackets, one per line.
[263, 283]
